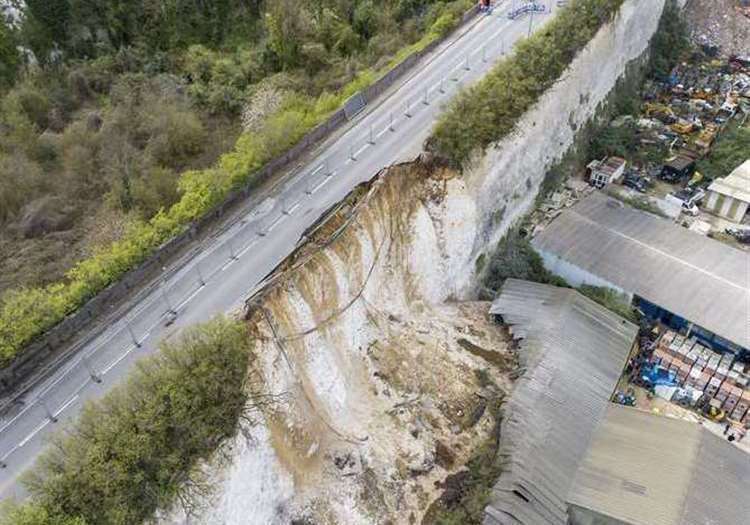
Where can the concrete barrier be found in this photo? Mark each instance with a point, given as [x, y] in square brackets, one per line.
[41, 352]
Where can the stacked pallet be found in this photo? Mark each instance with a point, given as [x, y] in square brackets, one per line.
[698, 367]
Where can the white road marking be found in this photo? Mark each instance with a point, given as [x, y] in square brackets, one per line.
[117, 361]
[229, 263]
[323, 182]
[246, 248]
[360, 150]
[33, 433]
[275, 223]
[66, 405]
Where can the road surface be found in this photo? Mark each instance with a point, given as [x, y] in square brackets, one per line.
[224, 272]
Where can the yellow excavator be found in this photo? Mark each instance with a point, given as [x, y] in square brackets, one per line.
[660, 112]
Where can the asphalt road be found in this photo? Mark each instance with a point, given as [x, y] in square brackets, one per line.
[229, 266]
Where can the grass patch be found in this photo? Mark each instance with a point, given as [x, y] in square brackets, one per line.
[610, 299]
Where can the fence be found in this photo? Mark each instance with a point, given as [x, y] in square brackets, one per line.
[44, 353]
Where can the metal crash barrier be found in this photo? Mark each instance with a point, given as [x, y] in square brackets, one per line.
[528, 7]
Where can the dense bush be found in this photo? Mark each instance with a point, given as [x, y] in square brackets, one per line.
[731, 150]
[488, 111]
[515, 258]
[136, 450]
[669, 43]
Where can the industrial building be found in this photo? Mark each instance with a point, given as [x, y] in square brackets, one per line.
[574, 458]
[691, 283]
[644, 469]
[574, 352]
[729, 197]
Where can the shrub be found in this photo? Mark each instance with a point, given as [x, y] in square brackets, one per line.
[729, 152]
[33, 514]
[489, 111]
[34, 104]
[176, 134]
[515, 258]
[611, 300]
[136, 449]
[20, 182]
[9, 59]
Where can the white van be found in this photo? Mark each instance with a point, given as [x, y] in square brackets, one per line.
[688, 207]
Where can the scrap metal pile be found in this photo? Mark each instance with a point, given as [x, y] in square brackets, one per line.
[689, 110]
[684, 370]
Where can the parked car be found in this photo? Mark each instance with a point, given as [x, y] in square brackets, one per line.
[636, 182]
[742, 236]
[686, 203]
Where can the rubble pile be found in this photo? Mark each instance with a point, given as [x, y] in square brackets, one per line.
[721, 24]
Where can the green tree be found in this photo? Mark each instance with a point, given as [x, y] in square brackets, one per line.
[615, 140]
[9, 59]
[285, 25]
[669, 42]
[135, 450]
[46, 24]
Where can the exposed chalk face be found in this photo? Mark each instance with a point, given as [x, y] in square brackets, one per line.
[369, 373]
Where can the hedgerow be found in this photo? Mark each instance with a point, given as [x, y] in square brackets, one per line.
[27, 313]
[136, 450]
[488, 111]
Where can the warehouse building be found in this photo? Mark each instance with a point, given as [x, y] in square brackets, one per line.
[692, 283]
[573, 352]
[644, 469]
[571, 456]
[729, 197]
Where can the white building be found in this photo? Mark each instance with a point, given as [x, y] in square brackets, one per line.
[729, 197]
[603, 172]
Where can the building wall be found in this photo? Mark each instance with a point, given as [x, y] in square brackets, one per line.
[726, 206]
[576, 276]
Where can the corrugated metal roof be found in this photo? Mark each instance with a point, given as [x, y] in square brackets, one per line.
[608, 166]
[574, 352]
[644, 469]
[700, 279]
[736, 184]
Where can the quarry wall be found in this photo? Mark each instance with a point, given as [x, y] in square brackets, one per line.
[504, 182]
